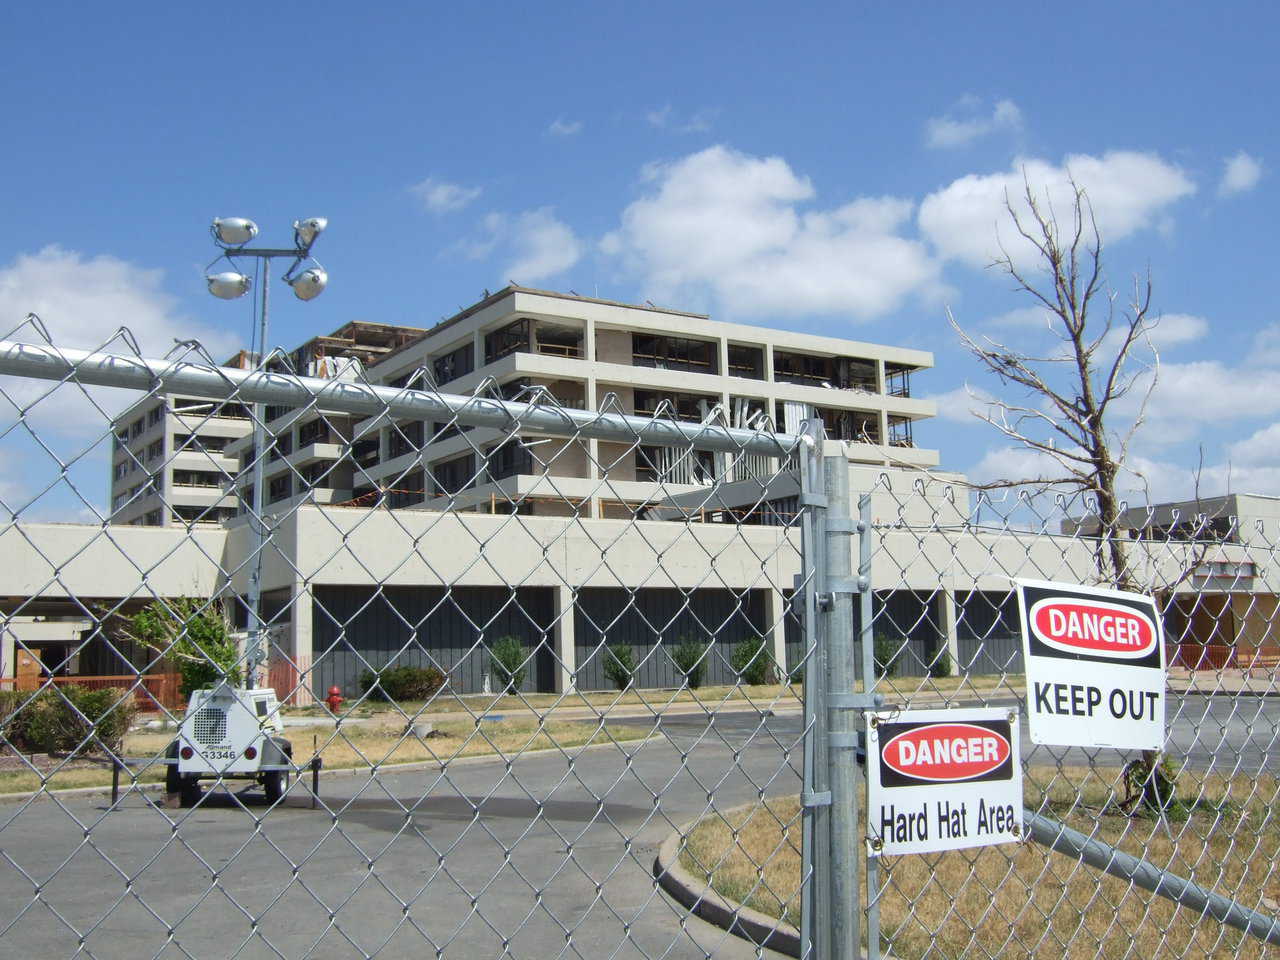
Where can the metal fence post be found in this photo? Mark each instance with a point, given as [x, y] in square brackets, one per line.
[866, 640]
[843, 708]
[815, 922]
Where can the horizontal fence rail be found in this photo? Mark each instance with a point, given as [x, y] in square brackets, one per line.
[368, 400]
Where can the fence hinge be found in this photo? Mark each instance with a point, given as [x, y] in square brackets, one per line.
[813, 499]
[811, 799]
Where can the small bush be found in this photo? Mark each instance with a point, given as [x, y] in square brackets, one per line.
[941, 666]
[750, 661]
[886, 654]
[690, 658]
[402, 683]
[507, 659]
[11, 722]
[60, 721]
[620, 665]
[1151, 782]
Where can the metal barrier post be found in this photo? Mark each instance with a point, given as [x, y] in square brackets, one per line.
[866, 640]
[842, 704]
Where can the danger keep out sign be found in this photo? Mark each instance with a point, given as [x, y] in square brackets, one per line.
[1095, 666]
[942, 780]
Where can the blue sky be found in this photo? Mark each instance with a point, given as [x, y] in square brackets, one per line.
[827, 168]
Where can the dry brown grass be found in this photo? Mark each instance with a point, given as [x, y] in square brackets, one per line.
[1023, 900]
[365, 744]
[603, 700]
[599, 700]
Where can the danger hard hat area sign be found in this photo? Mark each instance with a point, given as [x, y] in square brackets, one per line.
[942, 780]
[1095, 666]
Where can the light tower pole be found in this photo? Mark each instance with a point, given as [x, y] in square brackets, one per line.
[231, 234]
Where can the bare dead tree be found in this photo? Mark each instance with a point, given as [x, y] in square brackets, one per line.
[1070, 390]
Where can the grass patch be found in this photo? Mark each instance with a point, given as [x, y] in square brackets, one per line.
[362, 746]
[772, 694]
[1023, 900]
[542, 703]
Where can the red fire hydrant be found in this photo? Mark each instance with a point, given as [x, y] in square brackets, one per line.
[334, 700]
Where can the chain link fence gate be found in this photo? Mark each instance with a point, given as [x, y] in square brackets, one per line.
[556, 648]
[577, 643]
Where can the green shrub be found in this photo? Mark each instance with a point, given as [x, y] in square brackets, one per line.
[11, 721]
[690, 658]
[750, 661]
[60, 721]
[195, 634]
[507, 659]
[620, 665]
[1151, 783]
[941, 666]
[402, 683]
[886, 654]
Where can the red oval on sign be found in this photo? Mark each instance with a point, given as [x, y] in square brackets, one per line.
[946, 752]
[1093, 626]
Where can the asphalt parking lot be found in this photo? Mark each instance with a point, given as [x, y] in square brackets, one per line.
[547, 855]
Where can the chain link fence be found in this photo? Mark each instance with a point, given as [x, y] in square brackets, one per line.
[550, 681]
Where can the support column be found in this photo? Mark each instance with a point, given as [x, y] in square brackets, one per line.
[946, 618]
[300, 646]
[7, 666]
[566, 650]
[775, 618]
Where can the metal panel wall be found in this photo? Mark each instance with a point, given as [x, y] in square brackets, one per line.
[361, 628]
[988, 632]
[653, 621]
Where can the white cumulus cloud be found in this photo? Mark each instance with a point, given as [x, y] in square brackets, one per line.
[1240, 174]
[560, 127]
[965, 123]
[963, 405]
[1170, 330]
[1129, 191]
[535, 243]
[666, 118]
[740, 229]
[83, 300]
[440, 196]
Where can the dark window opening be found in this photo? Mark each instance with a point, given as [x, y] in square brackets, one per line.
[365, 452]
[453, 476]
[746, 361]
[900, 432]
[279, 488]
[675, 465]
[406, 438]
[689, 407]
[455, 364]
[897, 380]
[509, 339]
[674, 353]
[510, 459]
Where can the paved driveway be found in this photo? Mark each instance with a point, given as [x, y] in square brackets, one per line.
[549, 856]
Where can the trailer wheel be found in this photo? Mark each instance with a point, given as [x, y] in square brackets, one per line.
[275, 783]
[189, 793]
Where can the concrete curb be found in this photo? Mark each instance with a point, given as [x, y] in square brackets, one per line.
[701, 900]
[386, 768]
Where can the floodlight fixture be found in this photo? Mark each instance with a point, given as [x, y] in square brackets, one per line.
[310, 283]
[228, 285]
[234, 231]
[306, 231]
